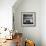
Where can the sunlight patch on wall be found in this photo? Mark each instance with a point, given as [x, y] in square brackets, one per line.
[6, 13]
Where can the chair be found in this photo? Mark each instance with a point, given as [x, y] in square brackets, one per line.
[18, 39]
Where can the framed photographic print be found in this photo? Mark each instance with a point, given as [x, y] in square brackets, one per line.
[28, 19]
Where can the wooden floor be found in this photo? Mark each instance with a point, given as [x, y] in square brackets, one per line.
[9, 43]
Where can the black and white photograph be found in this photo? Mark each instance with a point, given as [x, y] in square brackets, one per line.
[28, 19]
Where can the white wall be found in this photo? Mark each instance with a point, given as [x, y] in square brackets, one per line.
[6, 13]
[33, 33]
[43, 22]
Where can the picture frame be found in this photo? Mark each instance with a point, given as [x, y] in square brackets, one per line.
[28, 19]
